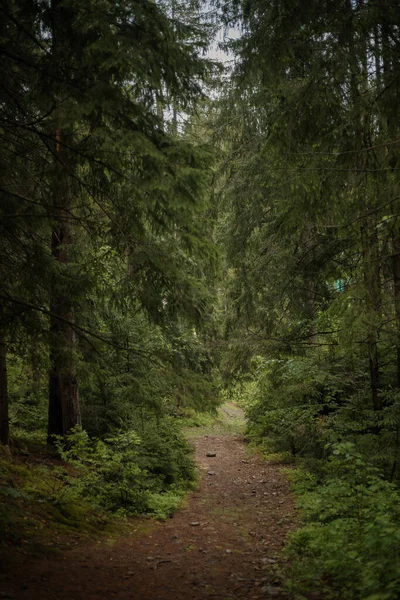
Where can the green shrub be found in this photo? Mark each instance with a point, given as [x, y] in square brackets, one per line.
[127, 474]
[350, 545]
[290, 405]
[164, 505]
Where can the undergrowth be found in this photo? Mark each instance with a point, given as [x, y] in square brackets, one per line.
[91, 484]
[228, 419]
[126, 475]
[349, 545]
[316, 414]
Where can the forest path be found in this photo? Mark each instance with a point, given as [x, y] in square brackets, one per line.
[222, 545]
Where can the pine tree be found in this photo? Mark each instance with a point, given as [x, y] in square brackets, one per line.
[313, 79]
[102, 161]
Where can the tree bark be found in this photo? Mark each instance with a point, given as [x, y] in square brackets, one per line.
[392, 162]
[64, 411]
[359, 82]
[310, 275]
[396, 289]
[371, 265]
[4, 421]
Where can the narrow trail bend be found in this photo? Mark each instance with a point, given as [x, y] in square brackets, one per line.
[223, 545]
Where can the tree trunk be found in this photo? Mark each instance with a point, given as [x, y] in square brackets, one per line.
[359, 82]
[63, 386]
[396, 287]
[372, 283]
[310, 275]
[4, 423]
[392, 162]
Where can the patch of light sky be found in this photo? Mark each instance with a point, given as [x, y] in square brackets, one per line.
[216, 52]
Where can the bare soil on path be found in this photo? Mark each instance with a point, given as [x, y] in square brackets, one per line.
[223, 545]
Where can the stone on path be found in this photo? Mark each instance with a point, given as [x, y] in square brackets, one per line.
[271, 590]
[211, 454]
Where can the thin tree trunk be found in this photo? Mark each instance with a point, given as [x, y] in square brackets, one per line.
[4, 421]
[372, 284]
[392, 161]
[358, 77]
[396, 286]
[308, 243]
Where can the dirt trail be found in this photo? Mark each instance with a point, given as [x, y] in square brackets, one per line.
[223, 545]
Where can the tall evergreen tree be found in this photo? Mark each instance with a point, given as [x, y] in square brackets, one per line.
[93, 76]
[312, 76]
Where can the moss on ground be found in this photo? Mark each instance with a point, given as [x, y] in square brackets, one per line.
[37, 510]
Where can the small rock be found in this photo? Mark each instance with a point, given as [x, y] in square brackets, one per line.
[211, 454]
[211, 473]
[266, 560]
[150, 558]
[271, 590]
[228, 551]
[195, 524]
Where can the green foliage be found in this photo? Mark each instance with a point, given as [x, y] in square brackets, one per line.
[135, 254]
[309, 188]
[164, 505]
[290, 403]
[349, 547]
[37, 501]
[148, 471]
[130, 474]
[106, 249]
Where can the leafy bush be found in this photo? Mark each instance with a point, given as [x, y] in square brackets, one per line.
[290, 405]
[350, 545]
[127, 474]
[163, 505]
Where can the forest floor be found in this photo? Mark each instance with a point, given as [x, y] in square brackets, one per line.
[223, 545]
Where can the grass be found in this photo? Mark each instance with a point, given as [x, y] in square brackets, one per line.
[229, 514]
[229, 420]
